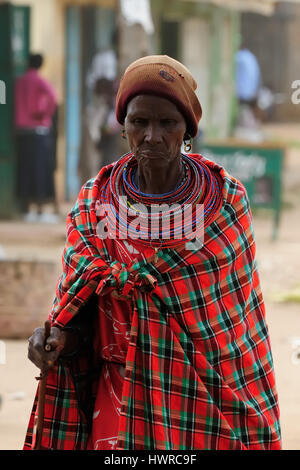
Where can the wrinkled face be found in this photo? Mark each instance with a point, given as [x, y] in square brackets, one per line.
[155, 130]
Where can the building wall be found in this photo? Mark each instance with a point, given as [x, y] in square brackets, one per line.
[292, 111]
[224, 42]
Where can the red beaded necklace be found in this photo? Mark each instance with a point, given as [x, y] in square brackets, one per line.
[160, 220]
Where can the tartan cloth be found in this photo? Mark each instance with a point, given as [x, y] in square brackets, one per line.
[199, 368]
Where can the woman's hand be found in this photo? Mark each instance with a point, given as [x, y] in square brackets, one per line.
[44, 353]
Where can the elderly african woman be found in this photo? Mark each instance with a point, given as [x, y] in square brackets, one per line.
[158, 338]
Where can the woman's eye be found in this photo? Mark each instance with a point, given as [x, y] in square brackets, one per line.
[168, 122]
[140, 122]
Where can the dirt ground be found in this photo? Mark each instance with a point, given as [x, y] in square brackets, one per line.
[278, 263]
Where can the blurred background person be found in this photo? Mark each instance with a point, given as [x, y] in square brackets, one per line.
[100, 130]
[35, 111]
[248, 85]
[110, 128]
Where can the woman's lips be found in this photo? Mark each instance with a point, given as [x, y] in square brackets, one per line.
[151, 154]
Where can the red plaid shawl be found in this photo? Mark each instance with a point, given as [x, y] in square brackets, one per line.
[199, 371]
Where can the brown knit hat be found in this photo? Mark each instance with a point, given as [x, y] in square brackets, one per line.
[163, 76]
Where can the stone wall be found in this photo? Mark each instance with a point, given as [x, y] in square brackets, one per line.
[27, 290]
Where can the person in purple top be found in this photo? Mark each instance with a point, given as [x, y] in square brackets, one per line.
[35, 110]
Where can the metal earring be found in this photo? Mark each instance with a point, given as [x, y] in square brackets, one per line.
[123, 134]
[187, 143]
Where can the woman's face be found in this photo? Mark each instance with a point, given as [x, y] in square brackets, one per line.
[155, 130]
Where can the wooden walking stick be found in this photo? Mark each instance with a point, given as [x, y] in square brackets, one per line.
[41, 396]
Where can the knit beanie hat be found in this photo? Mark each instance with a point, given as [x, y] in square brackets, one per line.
[162, 76]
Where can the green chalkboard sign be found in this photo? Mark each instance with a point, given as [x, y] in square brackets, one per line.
[259, 168]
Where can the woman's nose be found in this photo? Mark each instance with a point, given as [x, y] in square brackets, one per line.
[153, 133]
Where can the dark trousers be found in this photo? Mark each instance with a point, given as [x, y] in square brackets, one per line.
[35, 168]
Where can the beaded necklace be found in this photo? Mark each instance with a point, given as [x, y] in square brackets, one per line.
[142, 217]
